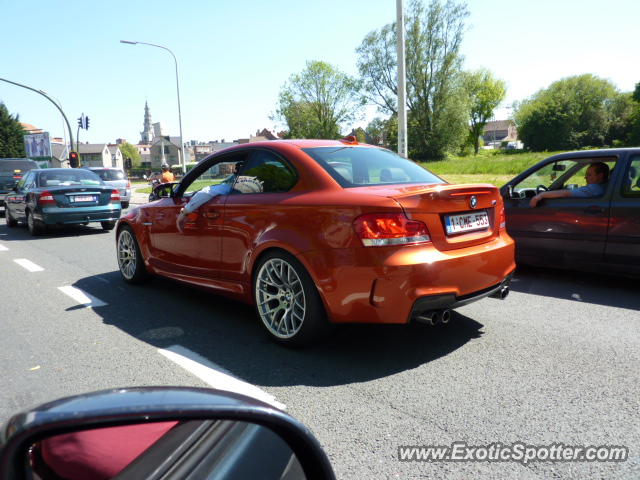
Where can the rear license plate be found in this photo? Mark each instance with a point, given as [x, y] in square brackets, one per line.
[466, 222]
[83, 198]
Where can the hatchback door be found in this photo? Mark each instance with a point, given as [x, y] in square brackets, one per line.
[623, 243]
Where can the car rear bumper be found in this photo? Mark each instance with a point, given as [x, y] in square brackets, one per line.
[384, 285]
[54, 215]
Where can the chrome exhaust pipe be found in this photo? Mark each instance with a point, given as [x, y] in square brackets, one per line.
[445, 316]
[502, 293]
[430, 318]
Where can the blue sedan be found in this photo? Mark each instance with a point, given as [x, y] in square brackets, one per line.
[58, 196]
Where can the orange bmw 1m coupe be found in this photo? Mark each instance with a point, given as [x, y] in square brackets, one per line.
[320, 232]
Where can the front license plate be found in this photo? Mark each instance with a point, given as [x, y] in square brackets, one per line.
[83, 198]
[466, 222]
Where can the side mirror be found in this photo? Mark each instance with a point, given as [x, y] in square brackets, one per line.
[160, 432]
[164, 190]
[558, 167]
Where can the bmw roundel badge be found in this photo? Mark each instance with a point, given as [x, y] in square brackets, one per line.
[473, 201]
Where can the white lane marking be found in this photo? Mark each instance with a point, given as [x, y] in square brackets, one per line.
[215, 375]
[84, 298]
[28, 265]
[3, 248]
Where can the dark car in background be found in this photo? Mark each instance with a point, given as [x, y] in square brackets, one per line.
[116, 178]
[600, 234]
[11, 171]
[59, 196]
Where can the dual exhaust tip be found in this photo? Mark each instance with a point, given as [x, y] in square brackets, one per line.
[443, 316]
[435, 317]
[501, 294]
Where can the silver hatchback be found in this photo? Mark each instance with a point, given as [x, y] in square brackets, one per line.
[116, 178]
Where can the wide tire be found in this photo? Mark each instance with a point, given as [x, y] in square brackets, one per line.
[130, 261]
[124, 205]
[35, 227]
[108, 225]
[287, 301]
[11, 222]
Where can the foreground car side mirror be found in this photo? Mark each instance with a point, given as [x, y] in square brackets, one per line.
[159, 433]
[164, 190]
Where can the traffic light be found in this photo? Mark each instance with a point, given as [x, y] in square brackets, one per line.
[127, 163]
[80, 122]
[74, 160]
[86, 123]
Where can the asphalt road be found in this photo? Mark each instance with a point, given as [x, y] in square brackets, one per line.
[558, 361]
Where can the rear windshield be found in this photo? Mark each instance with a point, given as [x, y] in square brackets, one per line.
[110, 174]
[17, 165]
[70, 176]
[362, 166]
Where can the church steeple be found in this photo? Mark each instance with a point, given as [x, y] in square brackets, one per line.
[146, 136]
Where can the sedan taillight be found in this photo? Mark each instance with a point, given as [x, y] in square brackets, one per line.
[129, 184]
[384, 229]
[46, 198]
[115, 195]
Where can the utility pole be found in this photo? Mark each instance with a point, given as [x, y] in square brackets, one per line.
[402, 96]
[51, 100]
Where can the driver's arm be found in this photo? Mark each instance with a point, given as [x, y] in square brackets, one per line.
[550, 194]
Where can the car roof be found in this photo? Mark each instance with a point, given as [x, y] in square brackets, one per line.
[600, 152]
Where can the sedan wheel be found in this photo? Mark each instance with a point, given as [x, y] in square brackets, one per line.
[35, 226]
[130, 259]
[287, 301]
[11, 222]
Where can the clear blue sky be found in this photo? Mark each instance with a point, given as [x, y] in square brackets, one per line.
[235, 56]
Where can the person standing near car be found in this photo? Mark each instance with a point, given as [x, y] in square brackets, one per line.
[597, 177]
[167, 175]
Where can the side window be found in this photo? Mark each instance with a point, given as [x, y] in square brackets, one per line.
[27, 181]
[631, 182]
[569, 174]
[265, 172]
[220, 172]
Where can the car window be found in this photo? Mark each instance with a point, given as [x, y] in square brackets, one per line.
[558, 175]
[265, 172]
[221, 172]
[17, 165]
[71, 176]
[360, 166]
[27, 181]
[107, 174]
[631, 183]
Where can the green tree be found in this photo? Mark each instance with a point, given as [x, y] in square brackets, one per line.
[438, 107]
[11, 135]
[571, 113]
[130, 151]
[319, 101]
[485, 94]
[376, 131]
[636, 93]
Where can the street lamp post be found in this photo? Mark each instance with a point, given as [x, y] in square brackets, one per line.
[184, 161]
[57, 105]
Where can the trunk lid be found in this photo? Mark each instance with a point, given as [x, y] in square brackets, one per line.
[457, 216]
[74, 197]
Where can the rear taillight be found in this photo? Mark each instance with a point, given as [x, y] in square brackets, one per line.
[502, 219]
[46, 198]
[383, 229]
[128, 184]
[17, 177]
[115, 195]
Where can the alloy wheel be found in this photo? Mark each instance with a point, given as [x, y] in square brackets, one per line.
[127, 255]
[280, 298]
